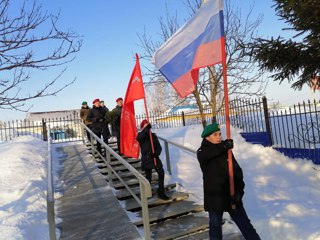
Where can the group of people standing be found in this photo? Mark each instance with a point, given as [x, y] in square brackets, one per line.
[98, 119]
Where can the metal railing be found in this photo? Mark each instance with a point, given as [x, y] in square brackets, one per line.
[145, 188]
[50, 195]
[166, 147]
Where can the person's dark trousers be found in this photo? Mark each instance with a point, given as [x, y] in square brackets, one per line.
[160, 173]
[239, 217]
[113, 131]
[117, 133]
[243, 222]
[88, 134]
[105, 135]
[99, 134]
[215, 222]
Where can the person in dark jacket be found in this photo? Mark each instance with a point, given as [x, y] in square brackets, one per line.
[103, 106]
[213, 158]
[84, 111]
[115, 116]
[148, 156]
[99, 125]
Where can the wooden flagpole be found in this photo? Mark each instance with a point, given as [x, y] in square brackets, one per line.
[228, 132]
[226, 104]
[147, 115]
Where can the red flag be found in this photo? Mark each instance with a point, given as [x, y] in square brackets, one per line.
[128, 144]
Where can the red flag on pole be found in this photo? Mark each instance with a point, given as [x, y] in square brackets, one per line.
[128, 144]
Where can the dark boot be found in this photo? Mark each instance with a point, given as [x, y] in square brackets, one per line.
[162, 195]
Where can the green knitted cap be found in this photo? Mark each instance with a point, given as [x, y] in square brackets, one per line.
[84, 103]
[214, 127]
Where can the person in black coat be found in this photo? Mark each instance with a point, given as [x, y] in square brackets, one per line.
[99, 124]
[147, 156]
[115, 115]
[103, 106]
[213, 158]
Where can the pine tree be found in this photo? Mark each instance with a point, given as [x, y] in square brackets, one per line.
[296, 60]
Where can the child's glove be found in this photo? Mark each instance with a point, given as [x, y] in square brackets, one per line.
[235, 198]
[228, 144]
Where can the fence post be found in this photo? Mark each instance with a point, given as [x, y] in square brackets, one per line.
[166, 147]
[44, 130]
[145, 212]
[110, 173]
[183, 119]
[50, 195]
[266, 118]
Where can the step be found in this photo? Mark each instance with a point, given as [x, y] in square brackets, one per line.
[112, 158]
[181, 226]
[132, 205]
[169, 210]
[124, 193]
[110, 144]
[200, 235]
[205, 235]
[99, 160]
[121, 167]
[115, 162]
[123, 174]
[131, 181]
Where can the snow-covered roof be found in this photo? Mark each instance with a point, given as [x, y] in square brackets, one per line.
[180, 109]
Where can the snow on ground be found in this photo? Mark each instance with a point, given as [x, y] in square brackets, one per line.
[282, 195]
[23, 186]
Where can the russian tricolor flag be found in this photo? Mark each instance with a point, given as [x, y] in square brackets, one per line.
[199, 43]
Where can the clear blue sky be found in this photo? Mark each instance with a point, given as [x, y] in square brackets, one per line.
[110, 39]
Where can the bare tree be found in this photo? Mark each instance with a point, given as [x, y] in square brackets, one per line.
[244, 77]
[157, 96]
[168, 26]
[25, 47]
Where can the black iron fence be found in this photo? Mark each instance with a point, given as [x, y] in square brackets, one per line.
[245, 114]
[64, 129]
[296, 130]
[248, 115]
[293, 131]
[12, 129]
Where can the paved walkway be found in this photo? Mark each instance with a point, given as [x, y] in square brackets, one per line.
[87, 209]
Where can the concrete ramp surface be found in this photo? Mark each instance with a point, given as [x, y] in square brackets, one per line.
[87, 208]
